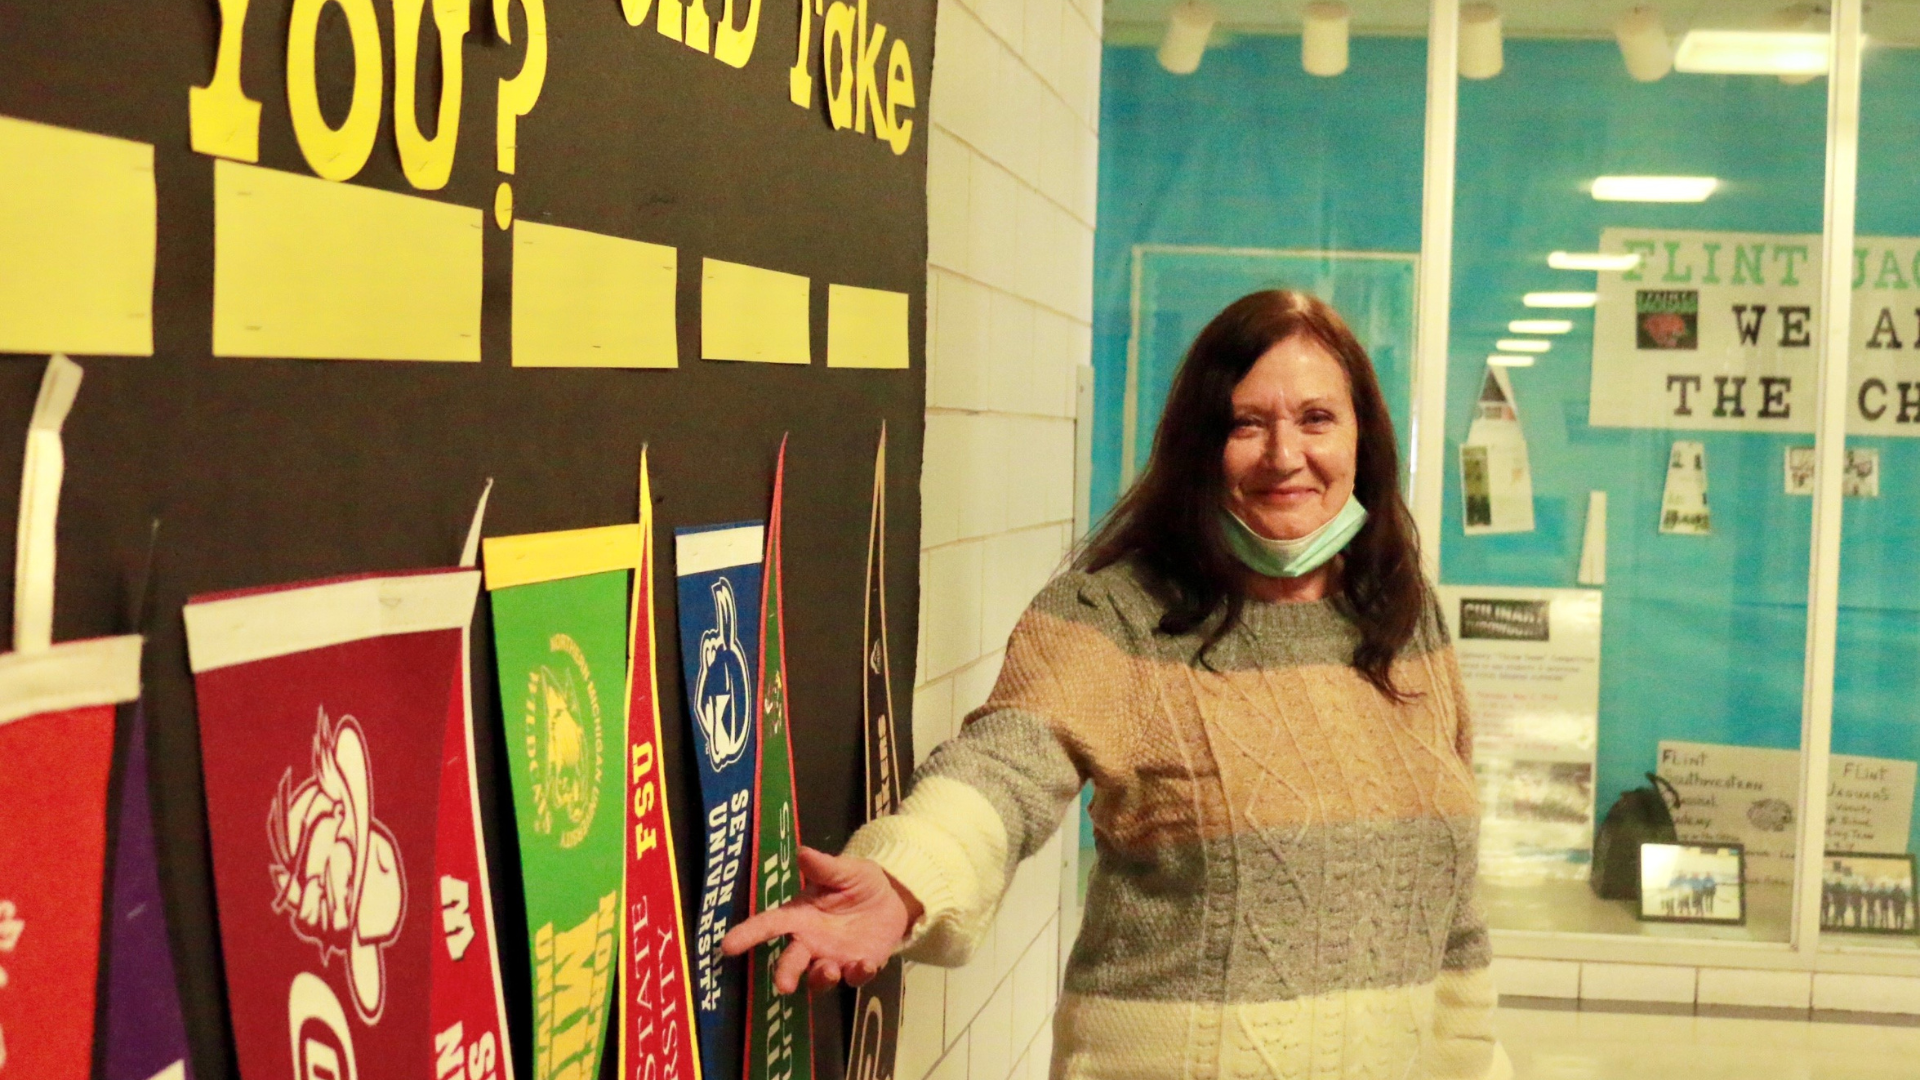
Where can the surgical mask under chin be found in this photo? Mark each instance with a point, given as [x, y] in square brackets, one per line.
[1294, 558]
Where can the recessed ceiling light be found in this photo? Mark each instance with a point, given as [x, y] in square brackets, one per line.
[1751, 52]
[1593, 260]
[1509, 360]
[1654, 188]
[1559, 299]
[1539, 326]
[1522, 345]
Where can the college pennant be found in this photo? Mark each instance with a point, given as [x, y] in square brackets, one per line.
[779, 1026]
[57, 705]
[146, 1035]
[470, 1039]
[657, 1041]
[345, 881]
[560, 631]
[718, 568]
[876, 1006]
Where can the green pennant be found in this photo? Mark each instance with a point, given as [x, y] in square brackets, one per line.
[562, 652]
[779, 1026]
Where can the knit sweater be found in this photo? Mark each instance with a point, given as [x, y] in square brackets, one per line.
[1286, 855]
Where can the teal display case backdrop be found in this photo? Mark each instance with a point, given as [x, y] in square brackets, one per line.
[1703, 637]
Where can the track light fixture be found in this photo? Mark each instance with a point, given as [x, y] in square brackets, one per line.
[1481, 56]
[1189, 25]
[1323, 39]
[1644, 45]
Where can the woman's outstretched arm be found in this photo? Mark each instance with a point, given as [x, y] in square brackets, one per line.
[928, 879]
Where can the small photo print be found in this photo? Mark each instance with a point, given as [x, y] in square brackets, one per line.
[1557, 792]
[1867, 894]
[1699, 883]
[1799, 470]
[1666, 318]
[1476, 482]
[1862, 478]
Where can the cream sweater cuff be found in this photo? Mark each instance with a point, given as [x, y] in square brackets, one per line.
[948, 847]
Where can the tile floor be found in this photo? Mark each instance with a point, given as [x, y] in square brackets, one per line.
[1547, 1045]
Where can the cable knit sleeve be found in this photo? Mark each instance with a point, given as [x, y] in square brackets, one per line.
[993, 794]
[1464, 996]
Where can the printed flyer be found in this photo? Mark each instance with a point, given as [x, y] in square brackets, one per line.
[1530, 661]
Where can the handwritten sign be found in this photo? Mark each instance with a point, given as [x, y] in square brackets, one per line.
[1750, 795]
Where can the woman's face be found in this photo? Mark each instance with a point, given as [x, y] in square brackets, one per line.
[1291, 452]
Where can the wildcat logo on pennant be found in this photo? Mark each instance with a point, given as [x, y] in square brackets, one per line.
[336, 870]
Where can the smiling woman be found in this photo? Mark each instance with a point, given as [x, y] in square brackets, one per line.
[1277, 418]
[1247, 667]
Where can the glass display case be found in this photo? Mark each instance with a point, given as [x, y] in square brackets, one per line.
[1658, 430]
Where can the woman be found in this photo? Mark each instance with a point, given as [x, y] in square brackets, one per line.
[1248, 666]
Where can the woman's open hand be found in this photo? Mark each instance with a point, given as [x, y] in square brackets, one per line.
[843, 925]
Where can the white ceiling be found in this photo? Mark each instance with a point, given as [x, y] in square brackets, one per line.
[1142, 21]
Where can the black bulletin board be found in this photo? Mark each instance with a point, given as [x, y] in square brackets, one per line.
[265, 471]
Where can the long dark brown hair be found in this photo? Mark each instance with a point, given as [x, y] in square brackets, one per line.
[1170, 520]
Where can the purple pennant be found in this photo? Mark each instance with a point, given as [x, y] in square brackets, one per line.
[146, 1039]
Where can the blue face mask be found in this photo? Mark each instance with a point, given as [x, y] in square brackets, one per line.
[1294, 558]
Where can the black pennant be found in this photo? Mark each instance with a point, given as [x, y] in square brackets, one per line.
[876, 1006]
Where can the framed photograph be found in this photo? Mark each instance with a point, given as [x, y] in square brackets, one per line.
[1693, 883]
[1862, 893]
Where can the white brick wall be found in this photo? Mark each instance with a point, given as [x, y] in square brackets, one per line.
[1010, 208]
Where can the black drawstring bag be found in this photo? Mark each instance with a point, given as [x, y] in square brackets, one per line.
[1640, 816]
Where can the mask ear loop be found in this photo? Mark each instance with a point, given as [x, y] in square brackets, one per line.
[40, 479]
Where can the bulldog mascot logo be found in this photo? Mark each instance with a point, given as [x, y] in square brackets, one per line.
[336, 870]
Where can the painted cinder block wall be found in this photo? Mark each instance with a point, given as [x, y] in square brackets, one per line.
[1010, 190]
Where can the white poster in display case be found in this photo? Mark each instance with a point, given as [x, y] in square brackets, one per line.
[1530, 661]
[1750, 795]
[1718, 331]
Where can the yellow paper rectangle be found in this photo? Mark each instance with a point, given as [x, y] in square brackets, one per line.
[77, 224]
[551, 556]
[581, 299]
[866, 328]
[747, 313]
[309, 268]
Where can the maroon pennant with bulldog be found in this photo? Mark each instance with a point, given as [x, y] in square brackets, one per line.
[350, 889]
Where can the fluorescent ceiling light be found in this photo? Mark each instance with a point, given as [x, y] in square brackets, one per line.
[1522, 345]
[1539, 326]
[1654, 188]
[1559, 299]
[1751, 52]
[1593, 260]
[1506, 360]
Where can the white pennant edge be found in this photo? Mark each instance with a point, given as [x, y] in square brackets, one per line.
[40, 477]
[73, 675]
[282, 622]
[470, 554]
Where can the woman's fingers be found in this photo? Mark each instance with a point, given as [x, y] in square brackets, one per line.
[792, 965]
[823, 975]
[828, 873]
[857, 973]
[763, 928]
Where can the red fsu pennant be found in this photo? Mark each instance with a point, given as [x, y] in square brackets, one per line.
[656, 991]
[333, 728]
